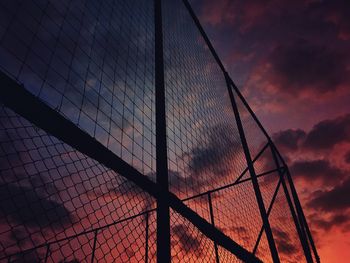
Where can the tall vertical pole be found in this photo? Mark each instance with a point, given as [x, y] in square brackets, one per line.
[301, 215]
[146, 237]
[251, 169]
[301, 234]
[303, 224]
[211, 212]
[163, 218]
[302, 220]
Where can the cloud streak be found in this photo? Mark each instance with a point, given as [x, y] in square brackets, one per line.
[304, 66]
[323, 170]
[211, 157]
[335, 199]
[22, 205]
[324, 135]
[188, 243]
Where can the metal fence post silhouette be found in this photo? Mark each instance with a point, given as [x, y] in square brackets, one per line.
[217, 259]
[118, 142]
[251, 169]
[163, 219]
[306, 248]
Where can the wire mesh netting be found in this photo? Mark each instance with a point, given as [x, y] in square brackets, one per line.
[93, 62]
[286, 236]
[263, 251]
[188, 243]
[56, 202]
[50, 192]
[204, 148]
[237, 214]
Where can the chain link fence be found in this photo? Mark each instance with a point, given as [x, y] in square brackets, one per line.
[78, 178]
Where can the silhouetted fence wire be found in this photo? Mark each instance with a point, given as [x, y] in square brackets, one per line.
[84, 188]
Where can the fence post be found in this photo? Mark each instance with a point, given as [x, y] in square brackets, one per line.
[251, 169]
[302, 220]
[213, 223]
[163, 218]
[146, 237]
[301, 235]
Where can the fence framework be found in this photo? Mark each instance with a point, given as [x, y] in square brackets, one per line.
[205, 230]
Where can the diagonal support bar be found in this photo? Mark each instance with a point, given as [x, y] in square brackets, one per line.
[301, 235]
[268, 214]
[17, 98]
[251, 169]
[301, 215]
[204, 35]
[302, 220]
[303, 223]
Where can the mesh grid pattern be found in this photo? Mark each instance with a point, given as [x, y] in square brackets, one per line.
[188, 243]
[93, 61]
[268, 184]
[263, 251]
[265, 162]
[203, 143]
[255, 137]
[237, 215]
[50, 191]
[200, 205]
[54, 176]
[78, 249]
[124, 242]
[284, 231]
[226, 256]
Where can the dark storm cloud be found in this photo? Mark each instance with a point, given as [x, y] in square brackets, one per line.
[23, 205]
[175, 178]
[246, 15]
[323, 136]
[83, 55]
[188, 243]
[326, 134]
[336, 12]
[240, 229]
[27, 190]
[284, 243]
[336, 220]
[25, 160]
[347, 157]
[31, 256]
[318, 70]
[206, 162]
[305, 66]
[289, 139]
[211, 157]
[322, 170]
[121, 186]
[336, 199]
[242, 232]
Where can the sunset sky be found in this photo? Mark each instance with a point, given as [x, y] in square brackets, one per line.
[291, 59]
[93, 63]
